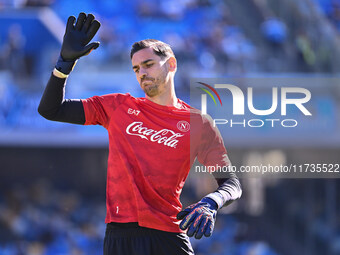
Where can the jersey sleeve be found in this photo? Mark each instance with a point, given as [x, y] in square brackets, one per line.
[211, 150]
[213, 153]
[98, 109]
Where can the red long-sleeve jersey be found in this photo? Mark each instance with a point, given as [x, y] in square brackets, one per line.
[150, 155]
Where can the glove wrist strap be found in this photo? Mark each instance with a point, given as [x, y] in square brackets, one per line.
[65, 67]
[218, 198]
[59, 74]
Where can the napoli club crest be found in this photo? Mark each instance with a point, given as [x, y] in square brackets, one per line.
[183, 126]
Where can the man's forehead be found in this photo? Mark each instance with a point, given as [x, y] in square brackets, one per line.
[143, 55]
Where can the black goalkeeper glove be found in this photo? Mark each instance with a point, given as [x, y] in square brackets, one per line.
[199, 218]
[76, 39]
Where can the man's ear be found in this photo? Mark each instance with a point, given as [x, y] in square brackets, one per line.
[172, 62]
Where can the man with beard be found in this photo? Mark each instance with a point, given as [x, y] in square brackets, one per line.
[150, 150]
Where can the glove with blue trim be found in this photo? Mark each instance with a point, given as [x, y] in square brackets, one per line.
[76, 41]
[199, 218]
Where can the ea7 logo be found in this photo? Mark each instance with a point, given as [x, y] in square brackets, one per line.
[134, 112]
[239, 98]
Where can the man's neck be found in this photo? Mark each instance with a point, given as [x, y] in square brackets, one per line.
[171, 102]
[166, 99]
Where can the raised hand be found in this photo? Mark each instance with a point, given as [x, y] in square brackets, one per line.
[76, 41]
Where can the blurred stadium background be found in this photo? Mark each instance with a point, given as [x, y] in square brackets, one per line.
[52, 177]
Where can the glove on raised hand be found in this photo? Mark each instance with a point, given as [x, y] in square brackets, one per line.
[76, 41]
[199, 218]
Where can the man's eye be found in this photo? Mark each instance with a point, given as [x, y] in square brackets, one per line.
[149, 65]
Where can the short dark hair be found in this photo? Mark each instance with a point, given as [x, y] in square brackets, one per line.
[159, 48]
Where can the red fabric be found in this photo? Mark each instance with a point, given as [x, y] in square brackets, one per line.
[149, 156]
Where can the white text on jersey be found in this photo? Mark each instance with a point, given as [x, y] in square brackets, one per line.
[163, 136]
[132, 111]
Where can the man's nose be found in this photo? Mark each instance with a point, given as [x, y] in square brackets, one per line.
[142, 73]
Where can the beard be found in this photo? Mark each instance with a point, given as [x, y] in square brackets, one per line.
[153, 88]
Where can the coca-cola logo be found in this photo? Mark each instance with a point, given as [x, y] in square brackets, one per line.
[166, 137]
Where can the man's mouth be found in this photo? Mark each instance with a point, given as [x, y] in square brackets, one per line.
[147, 82]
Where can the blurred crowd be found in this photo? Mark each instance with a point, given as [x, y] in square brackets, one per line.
[210, 39]
[41, 219]
[202, 33]
[308, 212]
[207, 35]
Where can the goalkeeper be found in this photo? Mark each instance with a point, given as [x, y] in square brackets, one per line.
[150, 150]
